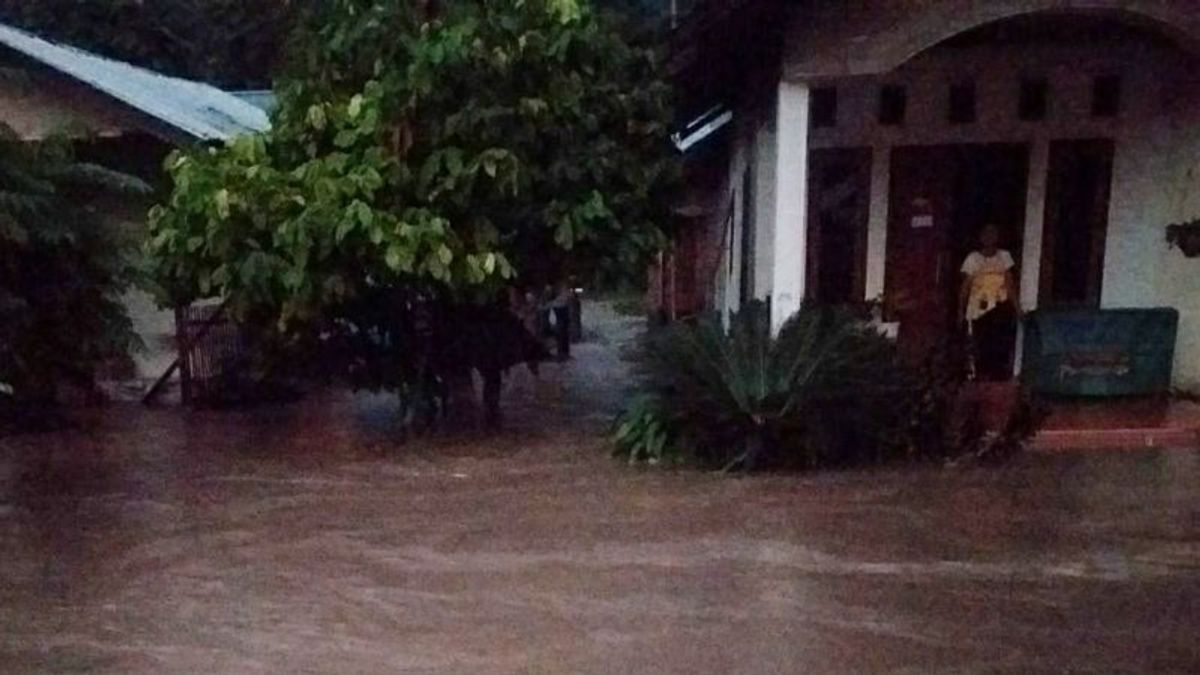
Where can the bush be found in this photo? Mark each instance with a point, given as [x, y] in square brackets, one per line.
[63, 267]
[829, 390]
[947, 425]
[645, 434]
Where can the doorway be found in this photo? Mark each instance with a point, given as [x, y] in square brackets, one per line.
[839, 190]
[1078, 187]
[941, 197]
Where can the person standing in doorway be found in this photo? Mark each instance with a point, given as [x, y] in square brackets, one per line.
[987, 305]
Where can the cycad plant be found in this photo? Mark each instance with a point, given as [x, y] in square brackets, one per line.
[63, 266]
[827, 390]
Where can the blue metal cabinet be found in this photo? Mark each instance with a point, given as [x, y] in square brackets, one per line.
[1100, 352]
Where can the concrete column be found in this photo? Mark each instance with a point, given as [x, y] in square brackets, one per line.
[791, 202]
[1035, 215]
[764, 204]
[1031, 247]
[877, 221]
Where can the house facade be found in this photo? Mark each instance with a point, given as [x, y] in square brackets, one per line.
[888, 133]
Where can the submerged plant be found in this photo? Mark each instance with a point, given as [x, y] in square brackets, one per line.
[946, 415]
[646, 434]
[827, 390]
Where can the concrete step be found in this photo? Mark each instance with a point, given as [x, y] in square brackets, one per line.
[1117, 439]
[1135, 423]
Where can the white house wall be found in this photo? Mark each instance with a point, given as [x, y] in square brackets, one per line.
[1155, 179]
[38, 106]
[764, 185]
[753, 144]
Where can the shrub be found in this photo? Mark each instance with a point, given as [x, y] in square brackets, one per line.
[827, 390]
[645, 434]
[946, 424]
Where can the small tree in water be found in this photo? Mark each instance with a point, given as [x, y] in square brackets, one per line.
[441, 151]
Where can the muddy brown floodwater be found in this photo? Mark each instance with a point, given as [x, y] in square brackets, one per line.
[305, 539]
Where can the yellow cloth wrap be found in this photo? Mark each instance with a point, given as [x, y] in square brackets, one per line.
[988, 289]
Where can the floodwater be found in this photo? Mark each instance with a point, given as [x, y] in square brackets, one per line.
[306, 539]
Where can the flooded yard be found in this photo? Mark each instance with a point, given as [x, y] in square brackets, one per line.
[306, 539]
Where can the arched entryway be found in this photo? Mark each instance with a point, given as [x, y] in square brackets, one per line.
[1031, 98]
[834, 40]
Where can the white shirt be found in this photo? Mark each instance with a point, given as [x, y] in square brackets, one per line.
[989, 283]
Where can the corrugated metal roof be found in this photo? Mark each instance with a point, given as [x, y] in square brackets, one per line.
[196, 109]
[263, 99]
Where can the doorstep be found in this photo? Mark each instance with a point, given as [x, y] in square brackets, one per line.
[1116, 425]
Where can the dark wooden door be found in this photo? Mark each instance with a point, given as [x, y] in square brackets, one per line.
[839, 196]
[919, 228]
[1077, 199]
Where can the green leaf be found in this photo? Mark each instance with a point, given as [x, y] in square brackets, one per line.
[371, 180]
[363, 213]
[399, 259]
[220, 276]
[316, 117]
[564, 236]
[344, 228]
[294, 278]
[221, 199]
[624, 431]
[454, 161]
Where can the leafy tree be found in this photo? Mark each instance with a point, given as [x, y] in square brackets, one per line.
[426, 151]
[63, 266]
[231, 43]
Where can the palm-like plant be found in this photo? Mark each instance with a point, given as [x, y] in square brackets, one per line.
[827, 389]
[63, 266]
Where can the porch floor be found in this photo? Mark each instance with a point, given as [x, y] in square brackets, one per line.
[1125, 424]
